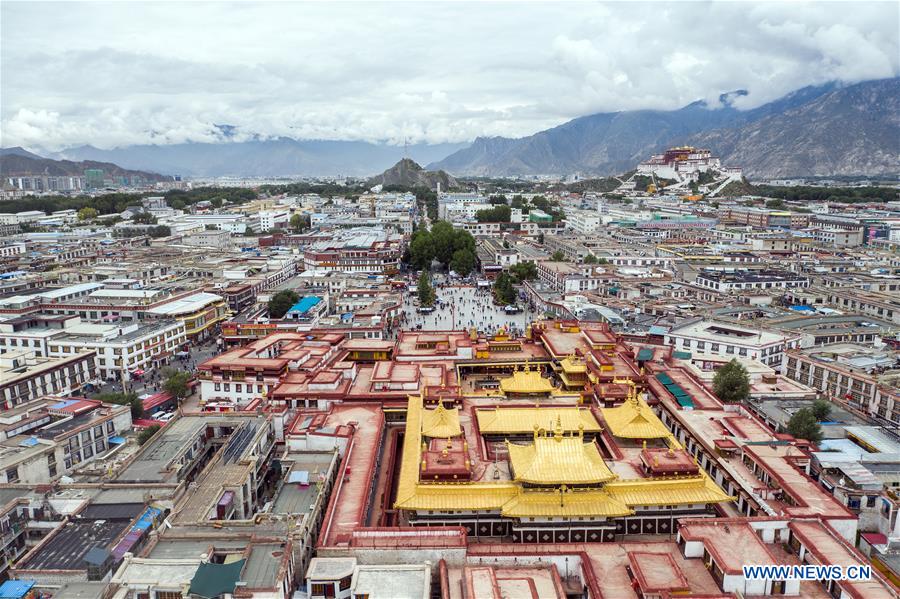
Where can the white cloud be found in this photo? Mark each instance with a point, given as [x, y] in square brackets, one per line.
[128, 73]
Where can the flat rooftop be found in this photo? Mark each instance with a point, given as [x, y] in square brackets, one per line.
[66, 549]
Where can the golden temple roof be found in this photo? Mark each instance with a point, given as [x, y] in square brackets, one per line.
[524, 420]
[634, 420]
[441, 422]
[558, 460]
[526, 381]
[565, 502]
[669, 491]
[615, 498]
[573, 365]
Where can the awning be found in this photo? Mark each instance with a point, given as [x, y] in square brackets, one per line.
[212, 580]
[299, 476]
[116, 440]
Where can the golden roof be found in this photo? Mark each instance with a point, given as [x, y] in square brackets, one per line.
[524, 420]
[510, 499]
[634, 420]
[558, 460]
[573, 365]
[526, 381]
[565, 502]
[441, 422]
[668, 491]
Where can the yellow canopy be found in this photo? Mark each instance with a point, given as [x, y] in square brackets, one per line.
[568, 502]
[441, 423]
[634, 420]
[558, 460]
[497, 421]
[526, 381]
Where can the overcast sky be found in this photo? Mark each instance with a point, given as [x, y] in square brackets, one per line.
[125, 73]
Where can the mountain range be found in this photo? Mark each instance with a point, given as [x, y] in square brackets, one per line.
[826, 130]
[265, 158]
[18, 161]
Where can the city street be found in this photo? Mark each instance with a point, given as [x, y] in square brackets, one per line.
[464, 307]
[152, 380]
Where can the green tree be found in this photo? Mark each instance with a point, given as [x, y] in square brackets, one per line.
[821, 409]
[497, 214]
[803, 425]
[731, 382]
[421, 249]
[300, 222]
[590, 259]
[504, 292]
[124, 399]
[541, 238]
[558, 256]
[87, 213]
[775, 204]
[444, 238]
[176, 383]
[148, 432]
[426, 291]
[281, 302]
[144, 218]
[463, 261]
[523, 271]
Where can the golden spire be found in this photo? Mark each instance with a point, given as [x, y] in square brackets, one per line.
[558, 430]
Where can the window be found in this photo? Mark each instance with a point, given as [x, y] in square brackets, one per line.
[217, 386]
[110, 427]
[228, 386]
[168, 595]
[345, 583]
[318, 590]
[12, 475]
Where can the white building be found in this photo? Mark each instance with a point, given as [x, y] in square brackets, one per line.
[726, 339]
[584, 222]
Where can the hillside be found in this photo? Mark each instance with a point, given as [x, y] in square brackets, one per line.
[13, 163]
[264, 158]
[407, 173]
[850, 131]
[609, 143]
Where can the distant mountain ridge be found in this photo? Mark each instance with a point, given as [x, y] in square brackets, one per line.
[265, 158]
[851, 131]
[19, 162]
[408, 173]
[609, 143]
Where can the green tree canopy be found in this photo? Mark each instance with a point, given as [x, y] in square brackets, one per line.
[803, 425]
[732, 383]
[87, 213]
[821, 409]
[441, 243]
[297, 222]
[497, 214]
[144, 218]
[504, 292]
[281, 302]
[462, 262]
[523, 271]
[124, 399]
[590, 259]
[558, 256]
[177, 383]
[425, 290]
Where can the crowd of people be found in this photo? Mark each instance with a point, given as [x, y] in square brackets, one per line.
[463, 307]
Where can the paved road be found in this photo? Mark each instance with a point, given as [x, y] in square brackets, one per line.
[463, 308]
[152, 380]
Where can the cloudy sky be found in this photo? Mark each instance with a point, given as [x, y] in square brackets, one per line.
[125, 73]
